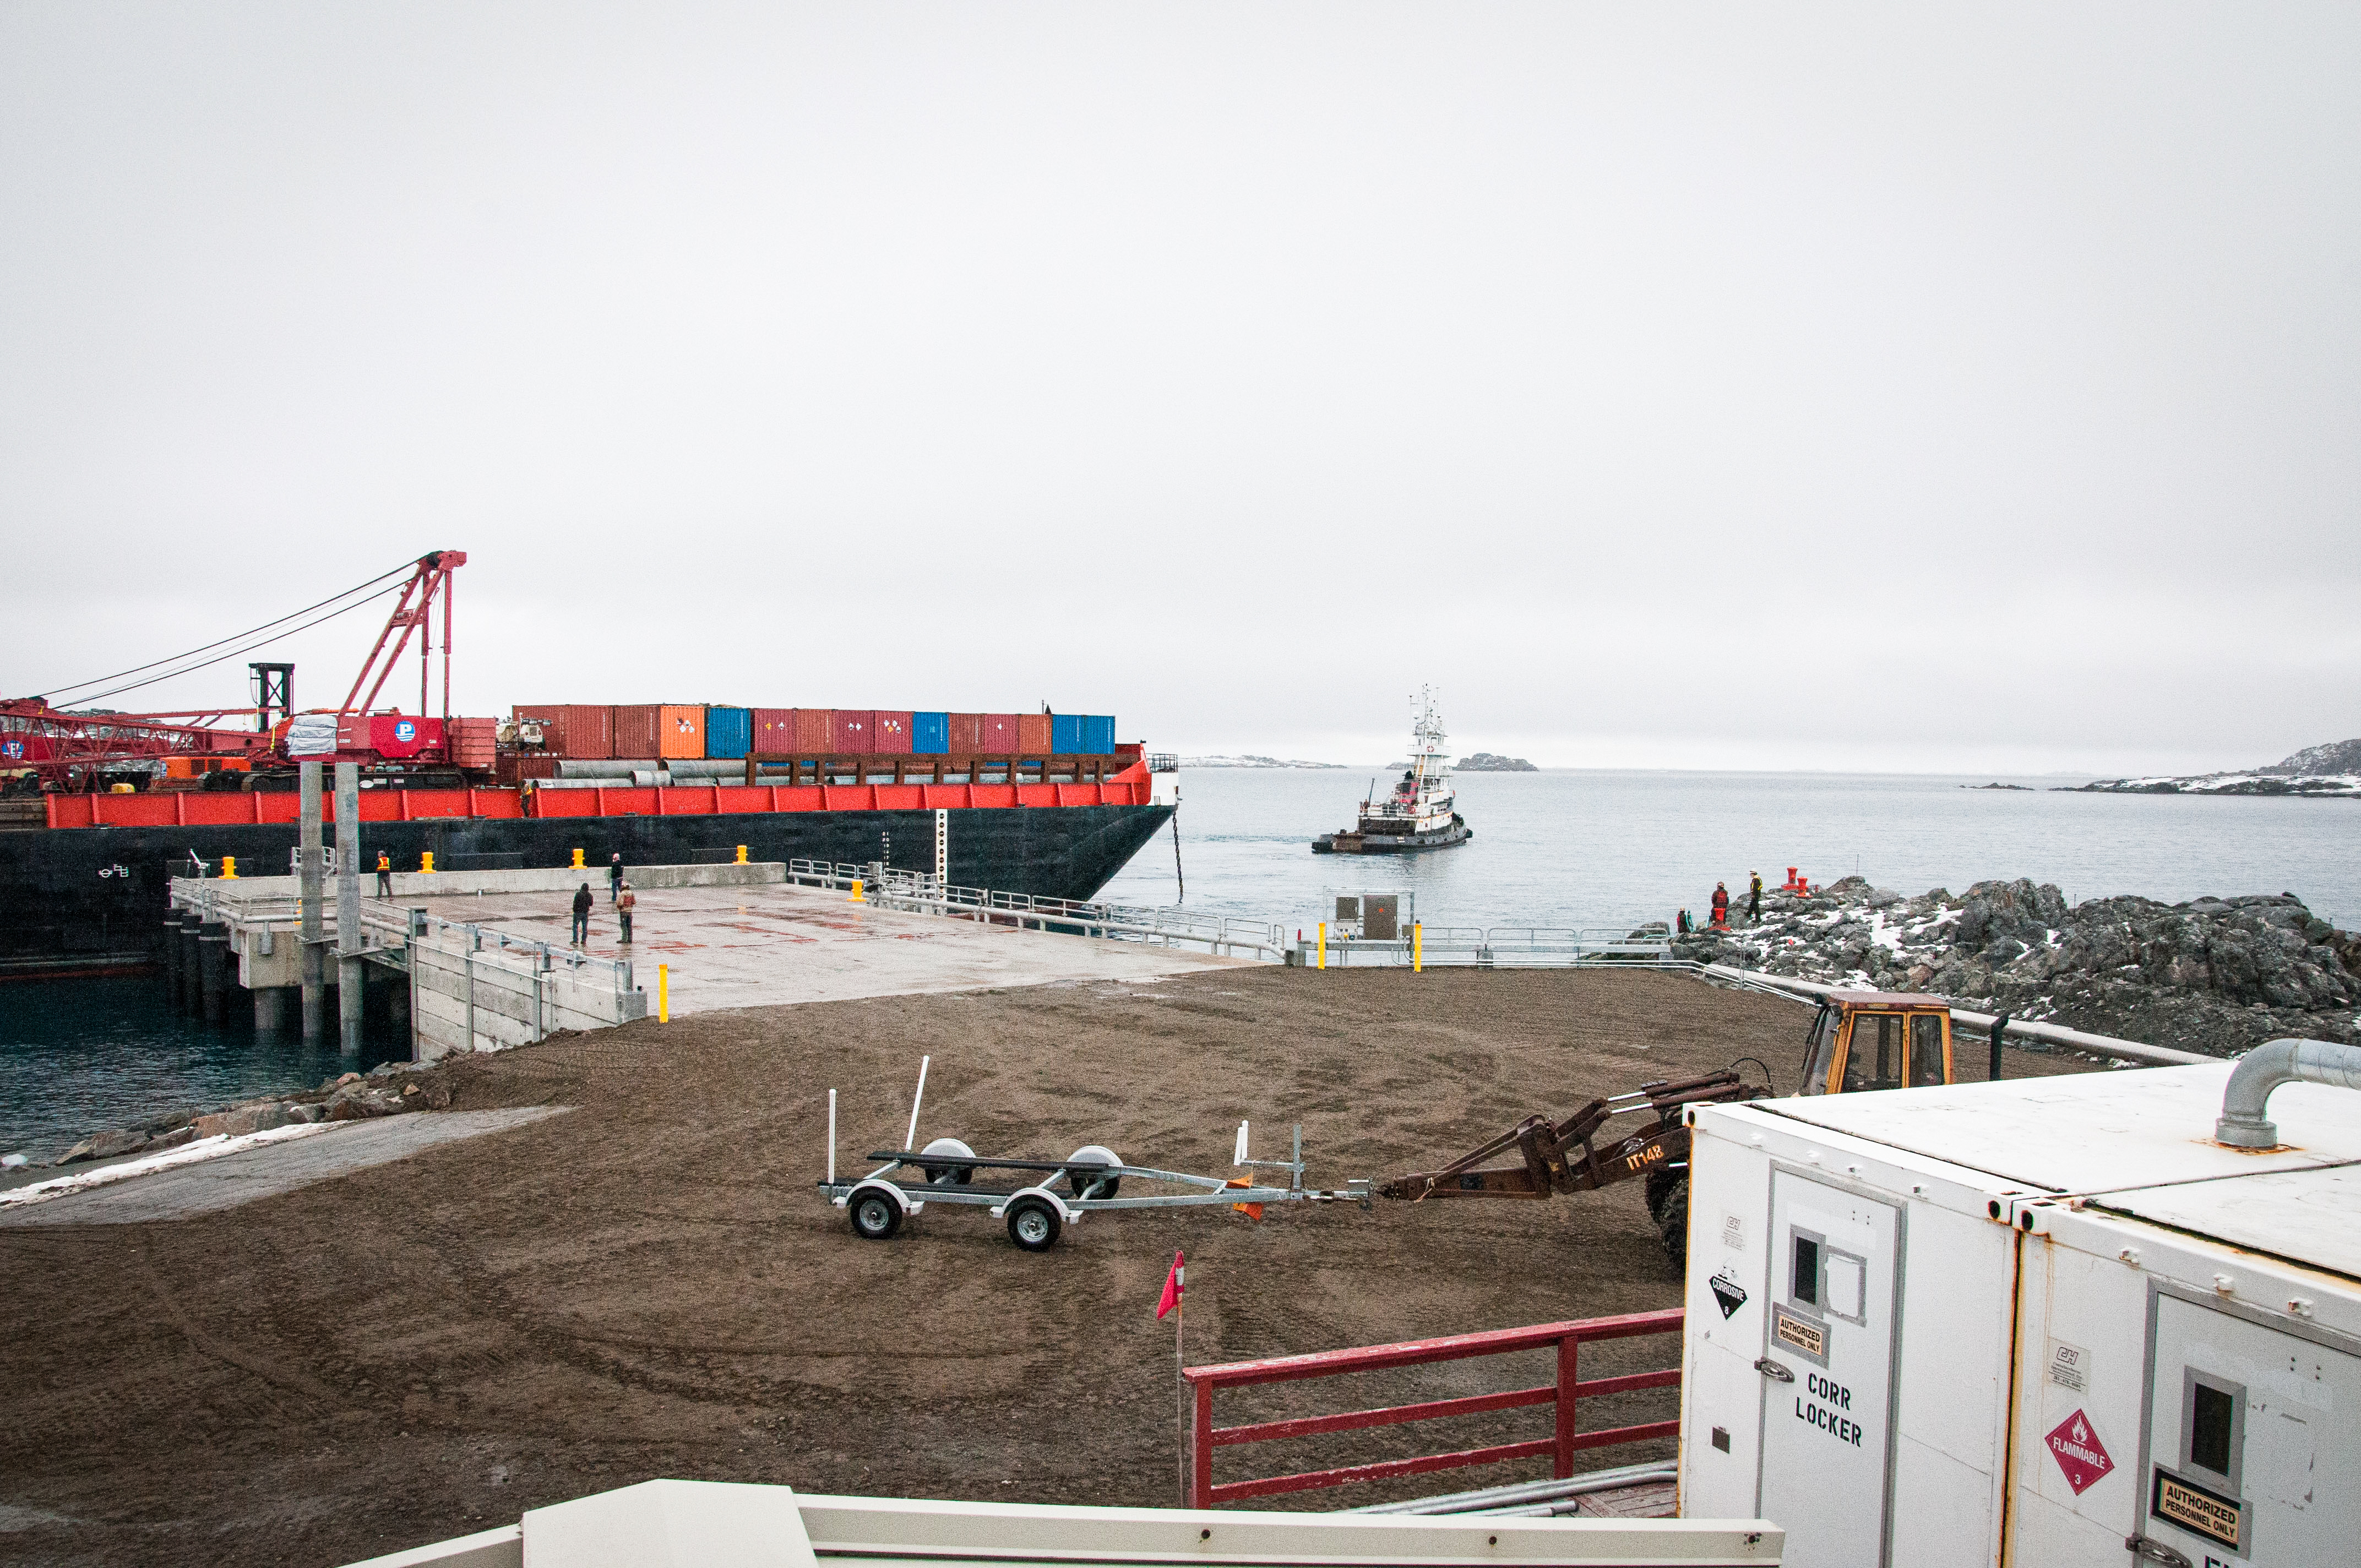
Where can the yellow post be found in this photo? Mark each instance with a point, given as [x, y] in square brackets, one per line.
[664, 994]
[426, 861]
[856, 892]
[229, 867]
[577, 859]
[1417, 949]
[1323, 944]
[742, 854]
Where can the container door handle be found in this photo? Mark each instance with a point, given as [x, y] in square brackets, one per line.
[1772, 1370]
[2148, 1551]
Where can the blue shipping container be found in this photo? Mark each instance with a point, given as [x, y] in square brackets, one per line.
[931, 733]
[1098, 734]
[1066, 733]
[728, 732]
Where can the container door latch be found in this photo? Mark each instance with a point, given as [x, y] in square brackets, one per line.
[2148, 1551]
[1778, 1374]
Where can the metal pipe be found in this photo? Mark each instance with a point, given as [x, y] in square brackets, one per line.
[2047, 1034]
[2247, 1098]
[910, 1138]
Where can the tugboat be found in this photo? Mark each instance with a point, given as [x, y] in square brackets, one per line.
[1417, 814]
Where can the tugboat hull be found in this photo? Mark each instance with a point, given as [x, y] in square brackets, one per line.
[1389, 843]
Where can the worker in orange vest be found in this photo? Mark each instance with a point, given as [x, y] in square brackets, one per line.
[384, 875]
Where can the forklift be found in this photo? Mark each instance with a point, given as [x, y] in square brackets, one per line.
[1858, 1040]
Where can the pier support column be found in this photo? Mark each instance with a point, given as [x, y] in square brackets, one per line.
[192, 966]
[270, 1008]
[171, 956]
[212, 949]
[308, 871]
[351, 985]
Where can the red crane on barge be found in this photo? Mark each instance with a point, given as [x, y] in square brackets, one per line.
[54, 749]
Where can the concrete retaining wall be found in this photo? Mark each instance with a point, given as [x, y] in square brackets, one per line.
[492, 998]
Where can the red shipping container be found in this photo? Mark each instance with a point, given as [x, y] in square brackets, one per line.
[589, 732]
[998, 734]
[636, 731]
[774, 729]
[966, 734]
[1033, 734]
[474, 742]
[852, 732]
[892, 734]
[813, 731]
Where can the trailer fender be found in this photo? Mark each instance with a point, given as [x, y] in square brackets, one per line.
[902, 1199]
[1067, 1213]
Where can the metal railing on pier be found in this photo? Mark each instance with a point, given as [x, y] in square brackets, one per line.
[919, 894]
[1491, 947]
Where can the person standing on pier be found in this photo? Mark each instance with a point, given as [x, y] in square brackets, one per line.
[624, 905]
[1722, 906]
[582, 902]
[384, 874]
[1755, 898]
[614, 877]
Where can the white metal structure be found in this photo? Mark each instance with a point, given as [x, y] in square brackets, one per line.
[2044, 1322]
[707, 1524]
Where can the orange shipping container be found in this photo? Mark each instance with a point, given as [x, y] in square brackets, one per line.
[1033, 734]
[680, 731]
[812, 728]
[891, 733]
[998, 737]
[635, 732]
[774, 729]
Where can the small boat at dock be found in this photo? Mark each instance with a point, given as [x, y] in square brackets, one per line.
[1419, 812]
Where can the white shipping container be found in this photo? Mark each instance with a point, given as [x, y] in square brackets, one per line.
[2047, 1324]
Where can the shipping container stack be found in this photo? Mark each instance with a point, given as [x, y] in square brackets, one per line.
[668, 731]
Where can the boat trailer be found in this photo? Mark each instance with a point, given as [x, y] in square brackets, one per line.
[1035, 1209]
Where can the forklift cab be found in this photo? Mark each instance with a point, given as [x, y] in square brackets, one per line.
[1878, 1039]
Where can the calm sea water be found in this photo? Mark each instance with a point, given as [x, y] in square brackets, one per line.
[1582, 847]
[80, 1055]
[1553, 849]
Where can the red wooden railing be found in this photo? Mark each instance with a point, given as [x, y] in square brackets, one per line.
[1566, 1394]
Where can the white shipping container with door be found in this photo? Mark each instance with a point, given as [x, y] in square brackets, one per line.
[2044, 1323]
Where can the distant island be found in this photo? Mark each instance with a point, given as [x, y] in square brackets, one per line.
[2332, 771]
[1997, 787]
[1486, 763]
[1252, 761]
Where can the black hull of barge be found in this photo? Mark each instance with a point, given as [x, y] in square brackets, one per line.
[93, 899]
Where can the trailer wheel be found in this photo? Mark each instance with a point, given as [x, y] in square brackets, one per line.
[875, 1216]
[1673, 1223]
[1082, 1186]
[962, 1174]
[1033, 1224]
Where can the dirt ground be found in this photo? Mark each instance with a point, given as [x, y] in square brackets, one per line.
[649, 1286]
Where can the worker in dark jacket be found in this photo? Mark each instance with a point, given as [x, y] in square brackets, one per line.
[1720, 906]
[582, 902]
[1755, 898]
[614, 877]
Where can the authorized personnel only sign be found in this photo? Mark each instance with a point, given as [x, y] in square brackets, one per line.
[2079, 1452]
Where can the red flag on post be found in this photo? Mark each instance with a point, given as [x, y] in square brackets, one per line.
[1172, 1288]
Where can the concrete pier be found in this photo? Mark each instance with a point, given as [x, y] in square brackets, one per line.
[352, 987]
[308, 862]
[270, 1008]
[214, 969]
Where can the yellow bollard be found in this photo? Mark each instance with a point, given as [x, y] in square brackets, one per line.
[664, 994]
[1324, 944]
[1417, 949]
[856, 892]
[577, 859]
[742, 854]
[229, 867]
[427, 862]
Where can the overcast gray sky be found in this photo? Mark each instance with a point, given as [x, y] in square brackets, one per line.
[1960, 388]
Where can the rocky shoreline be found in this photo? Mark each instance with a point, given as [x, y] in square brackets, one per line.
[2215, 975]
[349, 1097]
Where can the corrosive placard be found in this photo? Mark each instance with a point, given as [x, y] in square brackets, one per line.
[2194, 1508]
[2079, 1454]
